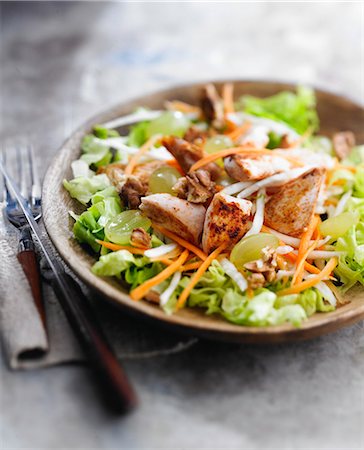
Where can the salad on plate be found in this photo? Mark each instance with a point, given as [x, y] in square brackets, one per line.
[236, 206]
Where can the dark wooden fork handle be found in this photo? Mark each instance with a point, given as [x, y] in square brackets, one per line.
[28, 260]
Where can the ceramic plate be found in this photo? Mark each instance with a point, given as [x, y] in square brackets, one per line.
[336, 113]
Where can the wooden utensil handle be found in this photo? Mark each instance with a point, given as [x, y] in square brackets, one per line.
[113, 382]
[29, 262]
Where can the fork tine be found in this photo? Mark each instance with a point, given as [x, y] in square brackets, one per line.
[22, 163]
[7, 194]
[36, 187]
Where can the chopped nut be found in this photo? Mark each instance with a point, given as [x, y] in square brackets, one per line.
[266, 266]
[140, 238]
[195, 135]
[256, 280]
[132, 191]
[196, 187]
[343, 143]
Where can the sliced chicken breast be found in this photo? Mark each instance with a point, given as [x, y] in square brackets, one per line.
[226, 221]
[187, 154]
[175, 214]
[254, 167]
[290, 209]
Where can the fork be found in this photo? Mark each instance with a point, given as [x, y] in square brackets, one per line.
[27, 174]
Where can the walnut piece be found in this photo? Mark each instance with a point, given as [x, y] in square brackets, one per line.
[264, 267]
[195, 136]
[132, 191]
[196, 187]
[256, 280]
[140, 238]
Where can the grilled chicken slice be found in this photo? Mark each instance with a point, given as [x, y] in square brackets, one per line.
[187, 154]
[290, 209]
[176, 215]
[226, 221]
[254, 167]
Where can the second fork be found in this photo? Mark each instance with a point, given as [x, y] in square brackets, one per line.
[25, 169]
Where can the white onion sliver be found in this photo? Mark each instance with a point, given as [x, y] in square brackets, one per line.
[324, 289]
[342, 202]
[259, 214]
[284, 249]
[274, 180]
[236, 187]
[294, 242]
[284, 273]
[234, 274]
[320, 254]
[160, 251]
[165, 296]
[138, 116]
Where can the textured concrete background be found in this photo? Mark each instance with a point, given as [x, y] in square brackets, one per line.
[61, 63]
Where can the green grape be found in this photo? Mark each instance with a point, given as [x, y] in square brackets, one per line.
[119, 229]
[337, 226]
[250, 248]
[169, 123]
[217, 143]
[163, 179]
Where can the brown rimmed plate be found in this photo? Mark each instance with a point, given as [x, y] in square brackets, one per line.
[336, 114]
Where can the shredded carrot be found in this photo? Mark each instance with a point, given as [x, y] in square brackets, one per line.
[219, 187]
[223, 154]
[250, 292]
[316, 233]
[330, 266]
[343, 166]
[228, 97]
[166, 261]
[298, 275]
[142, 290]
[249, 150]
[174, 163]
[292, 257]
[200, 271]
[282, 265]
[239, 131]
[332, 201]
[116, 247]
[197, 251]
[191, 266]
[302, 250]
[177, 105]
[229, 125]
[143, 149]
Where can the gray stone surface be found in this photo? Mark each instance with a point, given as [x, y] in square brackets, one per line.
[61, 63]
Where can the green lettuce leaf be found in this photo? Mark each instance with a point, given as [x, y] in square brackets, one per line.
[138, 134]
[133, 270]
[104, 133]
[350, 268]
[296, 110]
[95, 153]
[83, 188]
